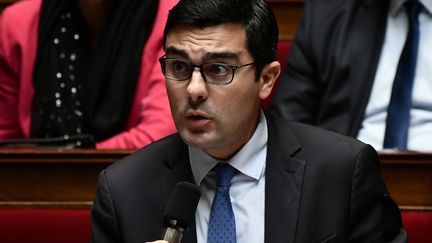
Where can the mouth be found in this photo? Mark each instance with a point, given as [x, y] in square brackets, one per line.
[197, 119]
[197, 115]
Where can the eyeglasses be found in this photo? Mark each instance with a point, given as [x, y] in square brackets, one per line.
[212, 72]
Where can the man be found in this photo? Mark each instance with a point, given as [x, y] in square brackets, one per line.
[291, 183]
[347, 56]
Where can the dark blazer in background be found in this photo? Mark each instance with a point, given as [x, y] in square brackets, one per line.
[320, 187]
[331, 67]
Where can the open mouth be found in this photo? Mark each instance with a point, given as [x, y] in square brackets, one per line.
[196, 117]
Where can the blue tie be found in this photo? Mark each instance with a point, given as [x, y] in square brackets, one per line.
[398, 116]
[222, 227]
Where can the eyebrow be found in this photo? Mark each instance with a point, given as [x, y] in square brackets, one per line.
[210, 55]
[173, 50]
[224, 55]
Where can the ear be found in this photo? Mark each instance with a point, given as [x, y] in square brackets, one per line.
[269, 75]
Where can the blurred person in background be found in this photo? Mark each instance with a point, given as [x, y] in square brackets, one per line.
[84, 67]
[362, 68]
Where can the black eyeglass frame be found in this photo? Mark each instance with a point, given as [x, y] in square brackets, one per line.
[233, 67]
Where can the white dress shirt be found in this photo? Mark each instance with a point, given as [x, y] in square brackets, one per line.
[247, 189]
[373, 125]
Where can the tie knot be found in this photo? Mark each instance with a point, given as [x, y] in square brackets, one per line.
[224, 174]
[413, 8]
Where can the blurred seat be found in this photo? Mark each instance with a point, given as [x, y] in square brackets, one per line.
[73, 226]
[45, 225]
[418, 225]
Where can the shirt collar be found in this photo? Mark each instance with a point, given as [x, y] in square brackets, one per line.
[397, 5]
[250, 160]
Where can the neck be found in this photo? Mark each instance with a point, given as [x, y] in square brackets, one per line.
[95, 13]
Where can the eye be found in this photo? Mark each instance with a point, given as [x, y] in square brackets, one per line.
[179, 66]
[217, 69]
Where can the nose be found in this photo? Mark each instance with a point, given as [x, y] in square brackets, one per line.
[197, 87]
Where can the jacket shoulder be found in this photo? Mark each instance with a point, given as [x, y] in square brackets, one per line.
[151, 158]
[317, 145]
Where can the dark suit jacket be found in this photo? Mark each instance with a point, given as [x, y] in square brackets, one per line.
[320, 187]
[331, 67]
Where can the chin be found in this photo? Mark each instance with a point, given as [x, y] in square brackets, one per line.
[195, 139]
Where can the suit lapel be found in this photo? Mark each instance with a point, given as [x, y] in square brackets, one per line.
[365, 38]
[178, 170]
[284, 181]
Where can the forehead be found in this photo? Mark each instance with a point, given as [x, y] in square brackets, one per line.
[198, 42]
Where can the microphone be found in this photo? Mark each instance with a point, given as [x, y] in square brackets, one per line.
[180, 211]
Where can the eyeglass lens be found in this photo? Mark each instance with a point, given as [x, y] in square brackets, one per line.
[217, 73]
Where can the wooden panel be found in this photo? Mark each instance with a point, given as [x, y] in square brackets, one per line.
[288, 13]
[52, 178]
[409, 179]
[67, 178]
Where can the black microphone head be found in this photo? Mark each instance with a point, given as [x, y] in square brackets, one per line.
[182, 204]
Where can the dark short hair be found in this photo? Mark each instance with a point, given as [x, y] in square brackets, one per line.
[256, 16]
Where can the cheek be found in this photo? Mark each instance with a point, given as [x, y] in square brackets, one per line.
[176, 108]
[174, 95]
[240, 105]
[246, 97]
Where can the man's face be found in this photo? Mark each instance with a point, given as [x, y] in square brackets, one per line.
[219, 119]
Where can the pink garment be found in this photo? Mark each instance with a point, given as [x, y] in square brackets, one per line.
[150, 117]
